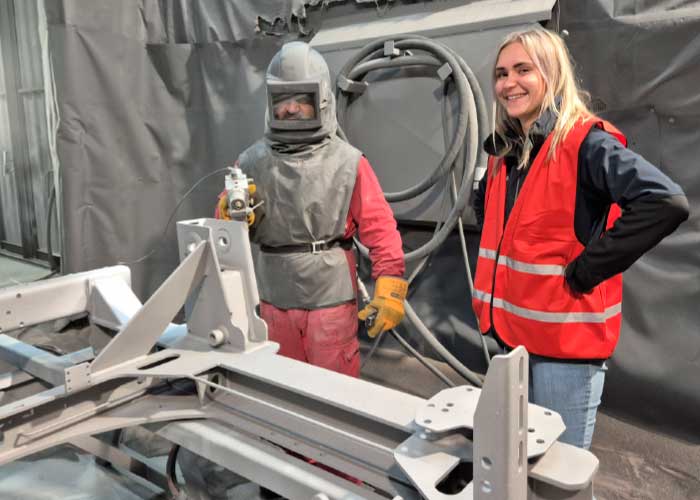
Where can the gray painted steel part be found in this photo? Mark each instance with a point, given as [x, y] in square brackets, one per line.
[249, 405]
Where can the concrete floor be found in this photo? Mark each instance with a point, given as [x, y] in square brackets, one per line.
[15, 271]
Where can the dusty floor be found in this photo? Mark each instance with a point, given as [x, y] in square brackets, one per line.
[14, 271]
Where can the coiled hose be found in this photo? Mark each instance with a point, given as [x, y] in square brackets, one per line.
[394, 52]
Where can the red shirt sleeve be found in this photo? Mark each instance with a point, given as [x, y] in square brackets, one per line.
[217, 215]
[372, 217]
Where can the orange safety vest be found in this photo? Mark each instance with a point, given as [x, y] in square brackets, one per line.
[519, 287]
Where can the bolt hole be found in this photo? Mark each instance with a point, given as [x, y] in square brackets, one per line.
[540, 441]
[431, 405]
[445, 410]
[450, 405]
[486, 462]
[19, 295]
[548, 413]
[427, 421]
[223, 241]
[530, 429]
[469, 389]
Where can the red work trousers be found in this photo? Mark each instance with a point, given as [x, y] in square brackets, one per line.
[325, 337]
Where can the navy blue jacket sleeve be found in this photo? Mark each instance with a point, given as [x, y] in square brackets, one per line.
[652, 207]
[478, 200]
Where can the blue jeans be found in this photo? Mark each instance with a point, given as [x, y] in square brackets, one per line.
[571, 389]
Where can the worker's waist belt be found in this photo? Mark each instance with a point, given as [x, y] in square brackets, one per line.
[313, 247]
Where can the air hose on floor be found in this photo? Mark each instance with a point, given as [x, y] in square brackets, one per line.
[463, 148]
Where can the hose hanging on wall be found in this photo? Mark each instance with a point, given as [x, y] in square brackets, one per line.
[394, 52]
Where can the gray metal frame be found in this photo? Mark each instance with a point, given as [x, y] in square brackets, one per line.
[250, 404]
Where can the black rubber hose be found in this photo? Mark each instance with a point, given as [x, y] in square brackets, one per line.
[422, 359]
[442, 55]
[457, 365]
[163, 235]
[171, 472]
[472, 113]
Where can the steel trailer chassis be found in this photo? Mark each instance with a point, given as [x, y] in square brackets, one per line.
[251, 406]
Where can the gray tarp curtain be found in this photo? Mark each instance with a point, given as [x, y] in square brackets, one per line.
[641, 63]
[155, 94]
[144, 114]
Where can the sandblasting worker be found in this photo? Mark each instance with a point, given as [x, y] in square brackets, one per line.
[318, 191]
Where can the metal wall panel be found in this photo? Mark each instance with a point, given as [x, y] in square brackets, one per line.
[10, 230]
[31, 94]
[26, 175]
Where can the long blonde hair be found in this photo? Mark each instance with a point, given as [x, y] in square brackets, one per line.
[562, 96]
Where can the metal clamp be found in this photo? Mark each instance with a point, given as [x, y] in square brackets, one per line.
[390, 49]
[317, 246]
[351, 86]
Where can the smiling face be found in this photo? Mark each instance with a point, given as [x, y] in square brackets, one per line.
[520, 87]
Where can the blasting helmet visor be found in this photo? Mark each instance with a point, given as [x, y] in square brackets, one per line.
[294, 106]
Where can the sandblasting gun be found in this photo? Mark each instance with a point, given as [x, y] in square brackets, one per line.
[239, 191]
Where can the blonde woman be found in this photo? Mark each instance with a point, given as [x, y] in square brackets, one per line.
[565, 207]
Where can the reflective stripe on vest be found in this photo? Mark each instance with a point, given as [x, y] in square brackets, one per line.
[550, 317]
[523, 267]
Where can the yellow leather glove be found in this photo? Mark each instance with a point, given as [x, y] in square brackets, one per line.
[385, 311]
[252, 188]
[222, 205]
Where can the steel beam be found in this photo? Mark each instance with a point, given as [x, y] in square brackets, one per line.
[63, 297]
[36, 363]
[264, 464]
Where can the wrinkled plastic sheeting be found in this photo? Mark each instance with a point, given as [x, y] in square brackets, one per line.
[185, 21]
[142, 119]
[639, 60]
[66, 475]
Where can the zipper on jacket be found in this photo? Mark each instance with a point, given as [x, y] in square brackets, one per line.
[493, 284]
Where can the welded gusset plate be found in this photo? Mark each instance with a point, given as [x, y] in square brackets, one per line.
[427, 459]
[454, 408]
[229, 292]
